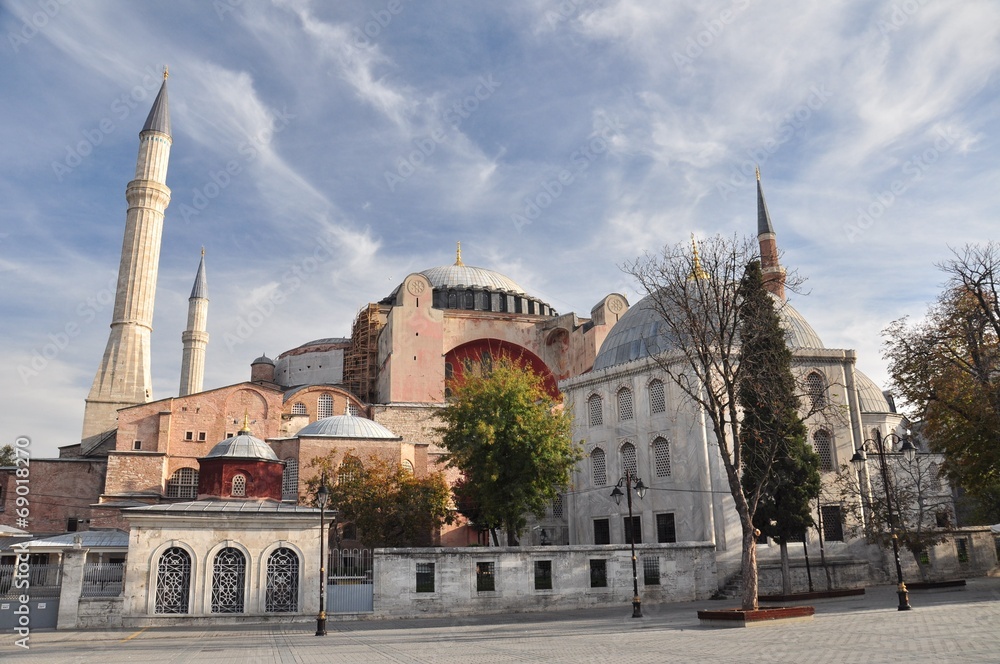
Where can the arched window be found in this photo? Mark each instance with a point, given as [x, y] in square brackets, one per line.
[299, 408]
[290, 480]
[595, 410]
[349, 470]
[282, 593]
[470, 300]
[173, 581]
[624, 404]
[183, 484]
[452, 300]
[407, 466]
[661, 453]
[324, 407]
[934, 475]
[239, 485]
[229, 573]
[816, 389]
[628, 459]
[657, 398]
[598, 467]
[822, 443]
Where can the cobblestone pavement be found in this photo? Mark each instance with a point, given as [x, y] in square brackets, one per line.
[946, 626]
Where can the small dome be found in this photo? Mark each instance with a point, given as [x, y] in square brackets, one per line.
[263, 359]
[243, 446]
[870, 398]
[448, 276]
[346, 426]
[641, 326]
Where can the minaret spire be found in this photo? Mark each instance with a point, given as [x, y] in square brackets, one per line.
[195, 336]
[774, 274]
[123, 378]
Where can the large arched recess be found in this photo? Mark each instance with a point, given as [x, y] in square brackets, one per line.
[473, 352]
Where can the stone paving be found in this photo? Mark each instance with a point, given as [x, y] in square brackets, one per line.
[946, 626]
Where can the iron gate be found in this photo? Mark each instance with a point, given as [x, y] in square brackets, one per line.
[349, 582]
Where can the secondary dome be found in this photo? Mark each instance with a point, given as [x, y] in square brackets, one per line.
[346, 426]
[642, 325]
[467, 276]
[243, 446]
[870, 398]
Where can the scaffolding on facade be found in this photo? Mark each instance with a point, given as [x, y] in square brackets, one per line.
[361, 363]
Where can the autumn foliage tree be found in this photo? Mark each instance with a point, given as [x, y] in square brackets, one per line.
[510, 440]
[385, 501]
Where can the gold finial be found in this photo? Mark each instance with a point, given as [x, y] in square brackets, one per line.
[166, 72]
[697, 272]
[203, 252]
[757, 168]
[246, 422]
[458, 255]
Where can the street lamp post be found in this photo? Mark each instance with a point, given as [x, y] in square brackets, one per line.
[629, 481]
[860, 462]
[322, 496]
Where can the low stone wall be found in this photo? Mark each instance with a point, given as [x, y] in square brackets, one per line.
[843, 574]
[99, 612]
[685, 572]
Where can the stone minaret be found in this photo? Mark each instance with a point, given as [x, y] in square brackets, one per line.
[774, 274]
[123, 379]
[195, 337]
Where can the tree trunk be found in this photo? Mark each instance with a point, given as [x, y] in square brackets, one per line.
[923, 569]
[496, 541]
[512, 536]
[748, 567]
[786, 572]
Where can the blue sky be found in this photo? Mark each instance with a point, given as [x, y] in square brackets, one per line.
[386, 131]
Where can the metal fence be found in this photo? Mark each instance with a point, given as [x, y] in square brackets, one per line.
[103, 579]
[43, 580]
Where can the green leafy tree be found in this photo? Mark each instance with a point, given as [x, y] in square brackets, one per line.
[389, 505]
[947, 368]
[511, 441]
[780, 469]
[7, 455]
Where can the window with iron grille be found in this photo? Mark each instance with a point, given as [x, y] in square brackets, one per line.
[183, 484]
[485, 577]
[425, 577]
[651, 570]
[557, 506]
[595, 410]
[633, 529]
[599, 573]
[282, 594]
[661, 454]
[833, 523]
[239, 485]
[934, 472]
[624, 404]
[816, 389]
[598, 467]
[349, 470]
[822, 443]
[229, 572]
[962, 549]
[173, 581]
[299, 408]
[628, 459]
[666, 530]
[602, 531]
[657, 397]
[543, 575]
[290, 479]
[407, 466]
[324, 406]
[351, 410]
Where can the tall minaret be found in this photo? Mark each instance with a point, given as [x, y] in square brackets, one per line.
[195, 337]
[774, 274]
[123, 379]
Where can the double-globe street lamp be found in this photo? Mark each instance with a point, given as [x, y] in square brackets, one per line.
[629, 481]
[860, 463]
[322, 496]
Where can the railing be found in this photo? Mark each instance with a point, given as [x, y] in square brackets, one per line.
[103, 579]
[349, 563]
[43, 580]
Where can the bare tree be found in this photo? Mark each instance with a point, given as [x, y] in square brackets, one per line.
[696, 293]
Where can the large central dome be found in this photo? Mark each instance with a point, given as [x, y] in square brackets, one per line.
[467, 276]
[641, 327]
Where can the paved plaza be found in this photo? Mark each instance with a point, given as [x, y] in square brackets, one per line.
[945, 626]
